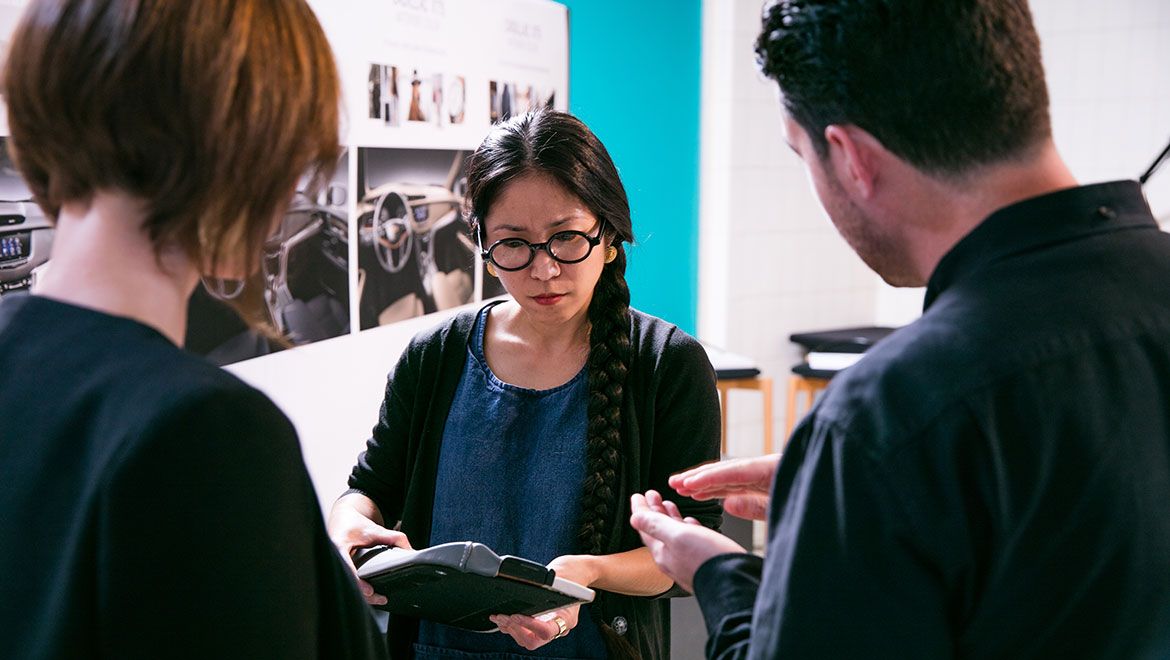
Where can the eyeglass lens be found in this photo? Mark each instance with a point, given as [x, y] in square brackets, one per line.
[516, 253]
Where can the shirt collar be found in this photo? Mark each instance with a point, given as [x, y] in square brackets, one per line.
[1052, 218]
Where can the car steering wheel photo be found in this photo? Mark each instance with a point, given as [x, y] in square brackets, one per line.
[393, 238]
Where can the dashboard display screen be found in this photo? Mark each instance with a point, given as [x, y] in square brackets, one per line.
[14, 246]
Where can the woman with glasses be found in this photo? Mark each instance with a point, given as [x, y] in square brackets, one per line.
[151, 504]
[527, 425]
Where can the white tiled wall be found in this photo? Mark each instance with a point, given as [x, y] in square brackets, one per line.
[1108, 66]
[771, 263]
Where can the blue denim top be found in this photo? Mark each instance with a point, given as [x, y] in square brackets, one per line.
[511, 469]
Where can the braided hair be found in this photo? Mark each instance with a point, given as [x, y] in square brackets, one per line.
[561, 146]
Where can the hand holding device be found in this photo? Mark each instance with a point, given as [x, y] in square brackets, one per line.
[351, 528]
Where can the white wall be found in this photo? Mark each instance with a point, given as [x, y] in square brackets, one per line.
[777, 266]
[1109, 87]
[331, 390]
[1108, 67]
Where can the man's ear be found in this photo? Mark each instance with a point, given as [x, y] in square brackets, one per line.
[855, 156]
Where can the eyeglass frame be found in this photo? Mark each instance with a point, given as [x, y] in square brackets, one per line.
[533, 248]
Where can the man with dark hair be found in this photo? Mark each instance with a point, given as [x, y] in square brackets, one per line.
[992, 480]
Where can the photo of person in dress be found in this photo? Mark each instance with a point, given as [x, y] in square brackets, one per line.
[383, 93]
[419, 100]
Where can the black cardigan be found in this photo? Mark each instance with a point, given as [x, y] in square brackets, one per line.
[670, 422]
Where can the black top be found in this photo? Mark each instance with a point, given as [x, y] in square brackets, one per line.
[153, 505]
[670, 422]
[992, 481]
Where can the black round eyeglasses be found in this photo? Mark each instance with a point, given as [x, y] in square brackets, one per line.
[566, 247]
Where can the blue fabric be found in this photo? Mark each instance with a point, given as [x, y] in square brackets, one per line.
[511, 469]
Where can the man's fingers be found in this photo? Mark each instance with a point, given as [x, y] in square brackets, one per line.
[726, 475]
[748, 507]
[750, 473]
[654, 524]
[718, 492]
[676, 479]
[672, 510]
[654, 501]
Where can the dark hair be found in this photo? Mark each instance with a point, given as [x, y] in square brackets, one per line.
[561, 146]
[209, 112]
[946, 85]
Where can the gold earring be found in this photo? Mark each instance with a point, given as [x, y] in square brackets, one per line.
[491, 269]
[610, 254]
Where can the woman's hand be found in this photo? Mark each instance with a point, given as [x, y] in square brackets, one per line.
[354, 524]
[534, 632]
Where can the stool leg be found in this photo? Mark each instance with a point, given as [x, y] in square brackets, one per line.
[766, 390]
[810, 395]
[790, 415]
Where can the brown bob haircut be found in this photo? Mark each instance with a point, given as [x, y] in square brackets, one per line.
[210, 111]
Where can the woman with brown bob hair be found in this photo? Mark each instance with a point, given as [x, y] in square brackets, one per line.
[153, 505]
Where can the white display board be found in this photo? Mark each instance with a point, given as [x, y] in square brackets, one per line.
[443, 58]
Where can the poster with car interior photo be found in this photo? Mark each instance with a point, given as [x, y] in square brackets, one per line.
[26, 236]
[414, 253]
[301, 291]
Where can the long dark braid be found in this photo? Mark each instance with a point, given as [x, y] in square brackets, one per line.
[609, 363]
[561, 146]
[609, 360]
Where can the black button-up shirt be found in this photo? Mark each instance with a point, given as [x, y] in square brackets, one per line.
[993, 480]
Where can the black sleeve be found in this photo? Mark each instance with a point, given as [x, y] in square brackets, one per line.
[381, 470]
[846, 574]
[686, 422]
[726, 587]
[211, 543]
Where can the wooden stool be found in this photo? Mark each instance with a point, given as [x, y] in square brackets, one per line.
[761, 384]
[801, 386]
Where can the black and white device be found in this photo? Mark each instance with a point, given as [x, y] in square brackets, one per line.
[462, 584]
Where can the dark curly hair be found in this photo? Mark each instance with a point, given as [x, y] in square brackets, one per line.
[561, 146]
[946, 85]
